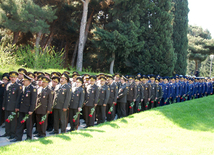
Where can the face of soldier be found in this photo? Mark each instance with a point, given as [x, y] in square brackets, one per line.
[26, 83]
[44, 84]
[137, 82]
[78, 84]
[122, 81]
[54, 83]
[5, 81]
[110, 81]
[152, 80]
[63, 81]
[116, 78]
[165, 81]
[102, 82]
[13, 79]
[74, 79]
[92, 82]
[20, 76]
[40, 83]
[131, 80]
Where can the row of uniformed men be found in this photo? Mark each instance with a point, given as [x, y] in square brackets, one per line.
[90, 93]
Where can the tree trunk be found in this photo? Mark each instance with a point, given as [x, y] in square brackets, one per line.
[196, 65]
[66, 53]
[49, 39]
[74, 54]
[82, 35]
[87, 27]
[112, 64]
[15, 37]
[38, 37]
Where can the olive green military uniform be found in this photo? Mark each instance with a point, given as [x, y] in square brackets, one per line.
[121, 100]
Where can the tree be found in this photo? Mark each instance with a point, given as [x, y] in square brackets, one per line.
[199, 45]
[180, 29]
[25, 16]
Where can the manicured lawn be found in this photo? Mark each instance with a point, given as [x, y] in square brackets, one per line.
[181, 128]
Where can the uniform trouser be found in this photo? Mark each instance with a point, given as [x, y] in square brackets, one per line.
[110, 117]
[60, 115]
[151, 104]
[178, 99]
[50, 121]
[72, 113]
[101, 114]
[121, 109]
[145, 102]
[157, 102]
[89, 120]
[41, 128]
[136, 106]
[21, 126]
[162, 103]
[10, 128]
[129, 110]
[2, 115]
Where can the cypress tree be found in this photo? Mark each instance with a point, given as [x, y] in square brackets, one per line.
[180, 30]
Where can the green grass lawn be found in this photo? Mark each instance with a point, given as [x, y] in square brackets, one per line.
[181, 128]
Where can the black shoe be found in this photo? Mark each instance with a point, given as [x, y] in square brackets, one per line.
[49, 130]
[11, 137]
[85, 126]
[3, 126]
[25, 131]
[37, 135]
[35, 132]
[28, 139]
[41, 136]
[53, 133]
[4, 135]
[14, 140]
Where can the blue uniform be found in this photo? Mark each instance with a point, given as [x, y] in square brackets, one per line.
[166, 94]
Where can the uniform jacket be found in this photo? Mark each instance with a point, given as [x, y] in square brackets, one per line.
[28, 99]
[12, 96]
[77, 97]
[45, 97]
[132, 92]
[122, 93]
[113, 93]
[147, 91]
[91, 95]
[103, 94]
[62, 97]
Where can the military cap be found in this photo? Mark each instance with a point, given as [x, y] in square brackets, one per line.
[117, 75]
[26, 78]
[152, 76]
[55, 74]
[109, 77]
[64, 75]
[79, 79]
[56, 79]
[102, 78]
[181, 76]
[86, 75]
[47, 74]
[22, 71]
[124, 78]
[67, 72]
[131, 77]
[137, 79]
[45, 79]
[75, 75]
[75, 72]
[5, 76]
[40, 73]
[35, 73]
[31, 75]
[39, 78]
[92, 77]
[139, 75]
[13, 74]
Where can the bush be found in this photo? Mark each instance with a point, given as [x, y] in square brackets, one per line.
[39, 58]
[6, 58]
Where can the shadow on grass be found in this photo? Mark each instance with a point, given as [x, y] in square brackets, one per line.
[63, 136]
[45, 141]
[197, 115]
[93, 130]
[112, 124]
[123, 120]
[82, 133]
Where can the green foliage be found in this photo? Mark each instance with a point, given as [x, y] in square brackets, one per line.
[25, 15]
[6, 59]
[46, 58]
[180, 30]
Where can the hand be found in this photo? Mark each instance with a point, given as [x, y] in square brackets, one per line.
[156, 98]
[30, 113]
[170, 97]
[95, 105]
[64, 109]
[176, 96]
[16, 110]
[48, 112]
[179, 95]
[141, 100]
[114, 103]
[104, 105]
[134, 100]
[3, 108]
[84, 103]
[79, 109]
[117, 97]
[148, 99]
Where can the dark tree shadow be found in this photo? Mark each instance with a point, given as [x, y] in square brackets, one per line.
[84, 134]
[123, 120]
[93, 130]
[45, 141]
